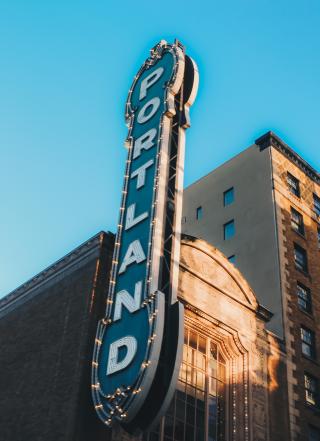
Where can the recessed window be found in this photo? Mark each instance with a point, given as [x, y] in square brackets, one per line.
[228, 230]
[293, 185]
[304, 297]
[316, 204]
[199, 213]
[199, 405]
[228, 197]
[311, 389]
[300, 258]
[308, 345]
[314, 434]
[232, 259]
[297, 221]
[318, 236]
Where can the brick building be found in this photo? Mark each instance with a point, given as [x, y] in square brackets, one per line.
[47, 328]
[262, 211]
[231, 381]
[249, 370]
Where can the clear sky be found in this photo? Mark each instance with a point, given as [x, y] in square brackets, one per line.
[65, 70]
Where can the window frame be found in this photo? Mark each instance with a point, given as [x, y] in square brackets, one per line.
[204, 375]
[311, 345]
[297, 226]
[199, 212]
[225, 194]
[293, 184]
[300, 287]
[314, 391]
[316, 431]
[225, 227]
[301, 267]
[316, 204]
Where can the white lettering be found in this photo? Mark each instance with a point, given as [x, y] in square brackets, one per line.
[143, 115]
[131, 221]
[149, 81]
[141, 173]
[134, 253]
[144, 142]
[123, 298]
[113, 364]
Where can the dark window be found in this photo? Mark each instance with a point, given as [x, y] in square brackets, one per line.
[228, 230]
[232, 258]
[199, 213]
[318, 236]
[304, 297]
[300, 258]
[316, 204]
[314, 434]
[228, 197]
[293, 185]
[308, 346]
[311, 389]
[297, 221]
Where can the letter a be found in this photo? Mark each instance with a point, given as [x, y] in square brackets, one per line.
[134, 253]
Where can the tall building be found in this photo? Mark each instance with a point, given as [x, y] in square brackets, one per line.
[261, 209]
[249, 369]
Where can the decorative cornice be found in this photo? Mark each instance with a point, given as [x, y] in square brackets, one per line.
[270, 139]
[62, 264]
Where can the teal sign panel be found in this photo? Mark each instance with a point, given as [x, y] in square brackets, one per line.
[129, 338]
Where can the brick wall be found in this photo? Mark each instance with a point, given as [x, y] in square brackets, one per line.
[46, 337]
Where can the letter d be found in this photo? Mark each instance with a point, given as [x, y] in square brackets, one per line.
[114, 365]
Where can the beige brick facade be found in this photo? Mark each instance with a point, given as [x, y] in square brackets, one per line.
[302, 415]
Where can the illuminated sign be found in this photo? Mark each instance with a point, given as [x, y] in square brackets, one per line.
[138, 344]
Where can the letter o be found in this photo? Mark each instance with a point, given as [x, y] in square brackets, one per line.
[154, 103]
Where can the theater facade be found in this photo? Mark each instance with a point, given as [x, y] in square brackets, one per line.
[232, 379]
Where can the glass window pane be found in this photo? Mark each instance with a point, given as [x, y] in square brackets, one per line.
[316, 201]
[228, 230]
[304, 297]
[199, 213]
[228, 197]
[300, 257]
[314, 434]
[293, 185]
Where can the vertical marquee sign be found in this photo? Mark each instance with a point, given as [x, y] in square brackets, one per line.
[138, 344]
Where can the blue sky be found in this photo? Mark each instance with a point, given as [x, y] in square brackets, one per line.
[65, 70]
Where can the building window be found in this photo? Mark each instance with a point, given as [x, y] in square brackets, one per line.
[314, 434]
[304, 297]
[308, 346]
[199, 404]
[311, 389]
[316, 204]
[318, 236]
[228, 230]
[199, 213]
[232, 259]
[297, 221]
[293, 185]
[228, 197]
[300, 258]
